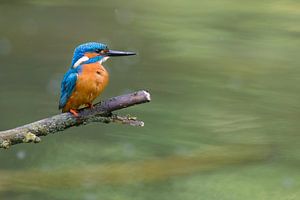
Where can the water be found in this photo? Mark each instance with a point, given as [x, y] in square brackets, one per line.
[222, 123]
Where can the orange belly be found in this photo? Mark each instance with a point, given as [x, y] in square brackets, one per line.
[89, 85]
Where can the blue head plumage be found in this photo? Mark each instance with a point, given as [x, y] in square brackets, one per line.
[89, 47]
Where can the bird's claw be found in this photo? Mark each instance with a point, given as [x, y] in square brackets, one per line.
[74, 112]
[91, 106]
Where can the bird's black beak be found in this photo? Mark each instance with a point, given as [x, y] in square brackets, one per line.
[119, 53]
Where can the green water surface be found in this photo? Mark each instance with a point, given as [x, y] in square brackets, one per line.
[224, 117]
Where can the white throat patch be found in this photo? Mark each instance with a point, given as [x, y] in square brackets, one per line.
[105, 58]
[80, 61]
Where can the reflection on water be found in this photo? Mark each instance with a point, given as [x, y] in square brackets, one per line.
[132, 172]
[224, 116]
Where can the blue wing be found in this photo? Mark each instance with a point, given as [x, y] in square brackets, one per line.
[67, 87]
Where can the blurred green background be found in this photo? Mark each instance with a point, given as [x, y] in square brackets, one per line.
[224, 118]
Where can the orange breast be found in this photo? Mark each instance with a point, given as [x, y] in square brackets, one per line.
[90, 83]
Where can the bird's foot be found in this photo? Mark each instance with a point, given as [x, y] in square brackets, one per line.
[91, 106]
[74, 112]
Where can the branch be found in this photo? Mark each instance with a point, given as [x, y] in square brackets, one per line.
[101, 112]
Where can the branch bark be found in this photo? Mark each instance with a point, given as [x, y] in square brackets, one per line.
[101, 112]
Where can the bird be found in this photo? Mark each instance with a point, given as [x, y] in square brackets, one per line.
[86, 78]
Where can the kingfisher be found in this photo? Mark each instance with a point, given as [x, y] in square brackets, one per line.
[86, 78]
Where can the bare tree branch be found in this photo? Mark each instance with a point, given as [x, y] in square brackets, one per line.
[101, 112]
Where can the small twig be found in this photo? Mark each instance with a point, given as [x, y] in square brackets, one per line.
[101, 112]
[127, 120]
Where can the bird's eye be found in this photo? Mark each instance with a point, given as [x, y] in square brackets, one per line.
[98, 50]
[104, 51]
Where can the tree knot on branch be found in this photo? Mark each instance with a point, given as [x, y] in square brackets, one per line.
[5, 144]
[30, 137]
